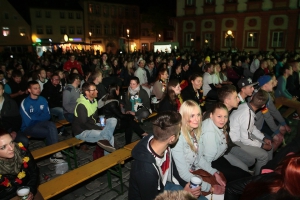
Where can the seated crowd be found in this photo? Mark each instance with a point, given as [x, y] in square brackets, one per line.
[216, 113]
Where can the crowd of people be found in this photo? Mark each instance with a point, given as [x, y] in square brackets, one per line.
[216, 113]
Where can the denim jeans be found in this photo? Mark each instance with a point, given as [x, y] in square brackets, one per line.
[173, 187]
[44, 129]
[69, 117]
[59, 113]
[94, 136]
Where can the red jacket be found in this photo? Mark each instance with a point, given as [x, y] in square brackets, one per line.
[69, 65]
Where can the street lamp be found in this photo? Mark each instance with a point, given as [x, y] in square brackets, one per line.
[159, 37]
[230, 35]
[90, 36]
[128, 31]
[66, 38]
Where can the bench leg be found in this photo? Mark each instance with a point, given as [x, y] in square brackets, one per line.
[71, 153]
[117, 171]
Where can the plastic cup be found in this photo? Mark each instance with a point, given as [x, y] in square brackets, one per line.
[23, 192]
[196, 181]
[102, 120]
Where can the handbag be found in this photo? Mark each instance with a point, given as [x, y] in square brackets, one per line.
[207, 177]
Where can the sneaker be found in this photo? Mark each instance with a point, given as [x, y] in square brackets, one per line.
[296, 116]
[58, 155]
[60, 133]
[104, 144]
[56, 160]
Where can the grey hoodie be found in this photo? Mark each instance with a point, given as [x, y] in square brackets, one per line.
[70, 95]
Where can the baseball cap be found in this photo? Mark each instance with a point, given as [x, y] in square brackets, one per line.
[263, 80]
[245, 82]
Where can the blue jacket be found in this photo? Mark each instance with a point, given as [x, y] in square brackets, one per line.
[33, 111]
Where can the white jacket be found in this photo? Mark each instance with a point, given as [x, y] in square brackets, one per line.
[242, 128]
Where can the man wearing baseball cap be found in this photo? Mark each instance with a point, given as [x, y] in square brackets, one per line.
[246, 88]
[268, 119]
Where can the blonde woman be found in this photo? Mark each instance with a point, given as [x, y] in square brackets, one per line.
[186, 151]
[216, 80]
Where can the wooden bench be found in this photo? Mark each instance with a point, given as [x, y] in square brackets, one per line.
[68, 180]
[287, 113]
[63, 122]
[68, 145]
[131, 145]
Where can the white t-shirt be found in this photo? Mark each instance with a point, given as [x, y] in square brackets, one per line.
[216, 79]
[207, 79]
[141, 74]
[42, 83]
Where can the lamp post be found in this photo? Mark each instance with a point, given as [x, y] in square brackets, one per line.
[159, 37]
[90, 36]
[128, 31]
[229, 34]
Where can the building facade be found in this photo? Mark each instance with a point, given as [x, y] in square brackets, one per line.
[111, 27]
[15, 31]
[54, 27]
[250, 25]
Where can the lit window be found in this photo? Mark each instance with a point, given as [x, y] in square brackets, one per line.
[252, 39]
[91, 8]
[5, 31]
[22, 31]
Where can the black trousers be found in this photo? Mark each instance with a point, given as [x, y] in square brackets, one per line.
[230, 172]
[130, 125]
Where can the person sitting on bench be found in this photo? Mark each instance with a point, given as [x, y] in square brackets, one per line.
[85, 125]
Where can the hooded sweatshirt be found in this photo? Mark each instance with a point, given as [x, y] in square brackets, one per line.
[146, 178]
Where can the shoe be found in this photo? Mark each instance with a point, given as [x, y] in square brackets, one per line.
[60, 133]
[296, 117]
[104, 144]
[56, 160]
[58, 155]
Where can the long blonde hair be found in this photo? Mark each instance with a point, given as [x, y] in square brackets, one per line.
[185, 110]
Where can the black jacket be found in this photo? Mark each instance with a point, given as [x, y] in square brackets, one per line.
[188, 93]
[165, 105]
[31, 179]
[111, 109]
[258, 73]
[52, 94]
[10, 116]
[145, 182]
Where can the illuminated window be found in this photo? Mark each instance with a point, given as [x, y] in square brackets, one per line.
[22, 31]
[5, 31]
[91, 8]
[252, 39]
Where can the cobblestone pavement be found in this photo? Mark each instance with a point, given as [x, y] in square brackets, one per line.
[97, 187]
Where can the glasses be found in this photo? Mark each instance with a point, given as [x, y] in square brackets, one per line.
[93, 90]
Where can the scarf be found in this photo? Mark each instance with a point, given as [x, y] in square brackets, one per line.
[13, 165]
[134, 91]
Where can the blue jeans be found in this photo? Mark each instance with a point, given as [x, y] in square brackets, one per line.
[44, 129]
[22, 138]
[94, 136]
[69, 117]
[174, 187]
[59, 113]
